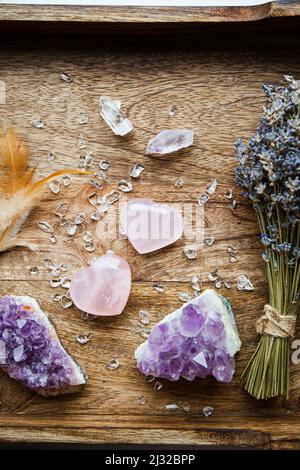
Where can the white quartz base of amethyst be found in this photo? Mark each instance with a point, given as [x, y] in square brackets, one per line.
[31, 352]
[197, 340]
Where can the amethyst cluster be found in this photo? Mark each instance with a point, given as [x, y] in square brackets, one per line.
[196, 340]
[30, 350]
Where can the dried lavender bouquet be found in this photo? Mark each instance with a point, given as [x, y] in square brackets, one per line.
[269, 173]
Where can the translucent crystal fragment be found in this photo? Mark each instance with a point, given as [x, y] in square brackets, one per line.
[169, 141]
[244, 283]
[124, 186]
[171, 407]
[137, 170]
[50, 157]
[179, 183]
[197, 340]
[84, 339]
[142, 400]
[65, 77]
[81, 141]
[54, 186]
[113, 364]
[34, 270]
[104, 165]
[45, 226]
[38, 123]
[159, 287]
[31, 352]
[212, 187]
[190, 253]
[208, 411]
[209, 241]
[113, 116]
[172, 110]
[83, 118]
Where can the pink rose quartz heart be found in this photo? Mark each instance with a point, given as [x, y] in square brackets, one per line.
[150, 226]
[103, 288]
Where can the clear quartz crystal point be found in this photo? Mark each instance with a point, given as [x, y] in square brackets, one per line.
[113, 116]
[197, 340]
[212, 187]
[169, 141]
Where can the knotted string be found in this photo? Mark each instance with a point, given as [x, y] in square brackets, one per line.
[274, 324]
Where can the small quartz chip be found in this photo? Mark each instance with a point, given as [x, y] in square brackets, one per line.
[190, 253]
[124, 186]
[104, 165]
[244, 283]
[36, 358]
[45, 226]
[179, 183]
[137, 170]
[171, 406]
[159, 287]
[84, 339]
[208, 411]
[196, 283]
[54, 186]
[65, 77]
[83, 118]
[169, 141]
[113, 116]
[38, 123]
[209, 241]
[113, 364]
[212, 187]
[144, 317]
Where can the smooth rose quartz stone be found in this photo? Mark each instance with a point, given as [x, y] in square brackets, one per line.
[150, 226]
[103, 288]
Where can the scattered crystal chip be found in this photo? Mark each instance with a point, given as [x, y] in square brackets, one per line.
[137, 170]
[159, 287]
[45, 226]
[84, 339]
[38, 123]
[65, 77]
[113, 364]
[171, 406]
[212, 187]
[190, 253]
[244, 283]
[54, 186]
[208, 411]
[144, 317]
[124, 186]
[83, 118]
[104, 165]
[34, 270]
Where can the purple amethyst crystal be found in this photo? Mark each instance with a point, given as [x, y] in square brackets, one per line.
[31, 352]
[197, 340]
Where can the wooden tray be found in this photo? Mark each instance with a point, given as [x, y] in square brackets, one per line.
[214, 80]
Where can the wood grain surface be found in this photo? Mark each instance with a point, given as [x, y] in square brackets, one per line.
[215, 85]
[131, 14]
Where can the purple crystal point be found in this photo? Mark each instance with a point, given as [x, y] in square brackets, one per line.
[31, 352]
[197, 340]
